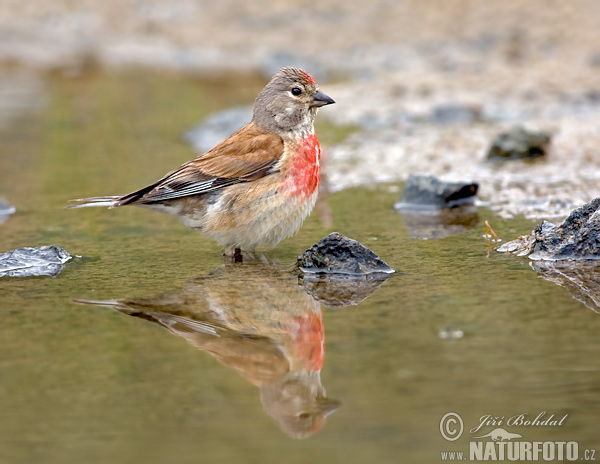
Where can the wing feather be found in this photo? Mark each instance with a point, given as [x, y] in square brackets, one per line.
[249, 154]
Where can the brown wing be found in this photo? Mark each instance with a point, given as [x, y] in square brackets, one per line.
[249, 154]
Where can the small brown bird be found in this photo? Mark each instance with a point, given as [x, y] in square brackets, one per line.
[257, 186]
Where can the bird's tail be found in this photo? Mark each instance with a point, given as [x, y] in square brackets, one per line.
[172, 322]
[108, 201]
[107, 303]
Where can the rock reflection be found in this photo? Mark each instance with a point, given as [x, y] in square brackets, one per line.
[339, 291]
[440, 224]
[256, 319]
[582, 280]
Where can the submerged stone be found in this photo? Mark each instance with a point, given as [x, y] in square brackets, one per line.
[519, 143]
[577, 238]
[336, 254]
[450, 333]
[424, 192]
[5, 210]
[29, 261]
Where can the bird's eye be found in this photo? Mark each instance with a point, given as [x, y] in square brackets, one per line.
[296, 91]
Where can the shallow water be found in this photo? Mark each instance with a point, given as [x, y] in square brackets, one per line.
[235, 378]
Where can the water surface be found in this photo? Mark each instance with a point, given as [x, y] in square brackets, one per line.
[88, 383]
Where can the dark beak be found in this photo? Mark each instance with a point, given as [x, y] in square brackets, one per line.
[320, 99]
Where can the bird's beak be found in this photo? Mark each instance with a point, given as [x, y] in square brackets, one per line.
[320, 99]
[329, 406]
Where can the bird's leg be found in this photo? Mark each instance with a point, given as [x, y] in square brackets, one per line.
[234, 254]
[237, 256]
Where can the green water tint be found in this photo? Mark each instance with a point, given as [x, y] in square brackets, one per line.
[85, 383]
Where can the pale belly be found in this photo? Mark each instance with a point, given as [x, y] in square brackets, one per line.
[266, 219]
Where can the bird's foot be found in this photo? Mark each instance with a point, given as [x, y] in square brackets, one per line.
[237, 256]
[233, 254]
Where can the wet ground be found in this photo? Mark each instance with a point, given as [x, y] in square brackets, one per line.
[192, 360]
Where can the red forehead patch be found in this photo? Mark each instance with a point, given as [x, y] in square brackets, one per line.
[308, 78]
[291, 74]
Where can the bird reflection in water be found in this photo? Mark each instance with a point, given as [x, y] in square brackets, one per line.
[257, 319]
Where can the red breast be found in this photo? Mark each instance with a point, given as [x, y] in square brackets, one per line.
[304, 171]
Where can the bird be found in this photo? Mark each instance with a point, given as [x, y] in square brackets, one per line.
[258, 185]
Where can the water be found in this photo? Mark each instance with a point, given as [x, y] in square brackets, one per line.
[86, 383]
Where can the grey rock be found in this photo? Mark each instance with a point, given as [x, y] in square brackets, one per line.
[5, 210]
[336, 254]
[519, 143]
[424, 192]
[454, 113]
[577, 238]
[29, 261]
[217, 127]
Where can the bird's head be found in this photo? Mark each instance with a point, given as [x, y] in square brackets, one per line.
[289, 102]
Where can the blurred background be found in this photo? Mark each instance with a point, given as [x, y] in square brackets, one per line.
[330, 36]
[409, 77]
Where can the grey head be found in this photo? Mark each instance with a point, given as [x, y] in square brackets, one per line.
[289, 102]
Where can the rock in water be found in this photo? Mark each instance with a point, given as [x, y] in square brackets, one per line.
[28, 261]
[339, 271]
[428, 193]
[519, 143]
[577, 238]
[5, 210]
[336, 254]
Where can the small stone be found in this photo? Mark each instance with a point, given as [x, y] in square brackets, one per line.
[336, 254]
[5, 210]
[450, 333]
[453, 113]
[577, 238]
[519, 143]
[427, 192]
[28, 261]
